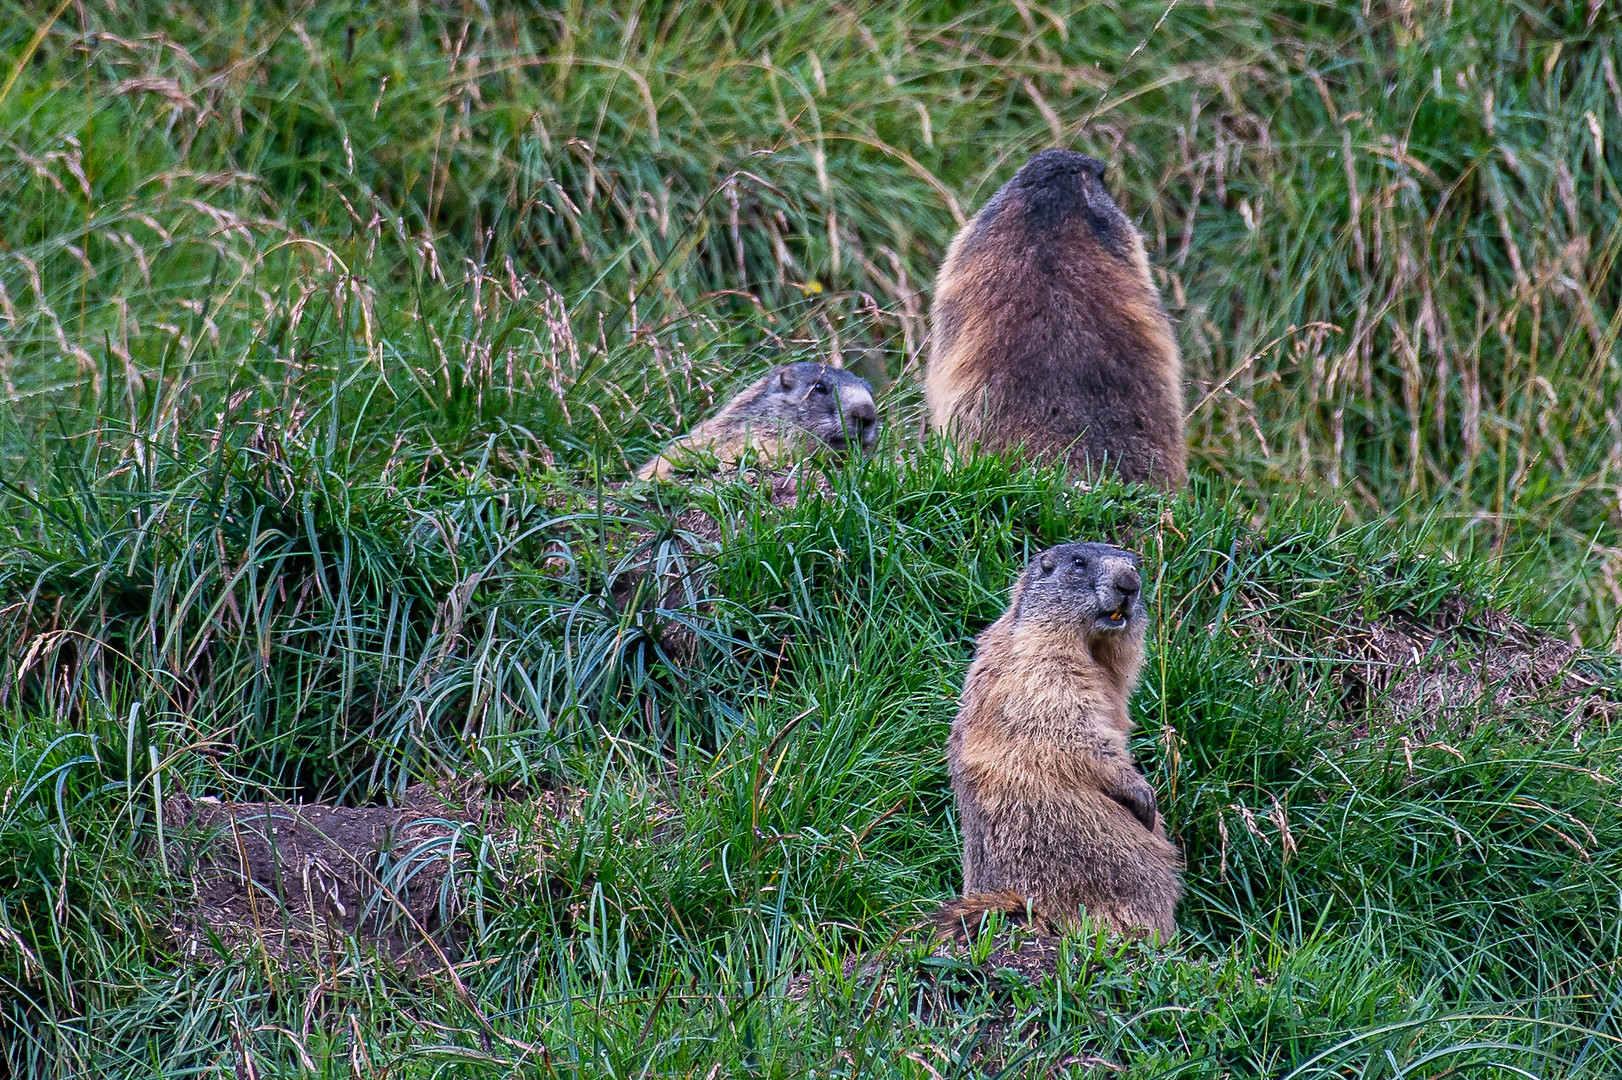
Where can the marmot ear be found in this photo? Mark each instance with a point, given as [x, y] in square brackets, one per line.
[1047, 562]
[785, 378]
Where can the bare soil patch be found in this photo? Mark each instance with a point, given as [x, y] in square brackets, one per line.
[1453, 665]
[301, 880]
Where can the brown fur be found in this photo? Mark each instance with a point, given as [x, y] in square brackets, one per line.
[789, 412]
[963, 918]
[1048, 331]
[1052, 810]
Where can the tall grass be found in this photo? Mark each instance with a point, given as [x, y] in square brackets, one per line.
[1388, 235]
[328, 337]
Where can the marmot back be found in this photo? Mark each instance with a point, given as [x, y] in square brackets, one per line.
[1047, 331]
[1052, 810]
[790, 411]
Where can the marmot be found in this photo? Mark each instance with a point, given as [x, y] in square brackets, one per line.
[1053, 812]
[1047, 331]
[791, 410]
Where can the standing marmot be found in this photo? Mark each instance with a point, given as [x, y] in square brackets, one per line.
[1053, 812]
[1047, 330]
[789, 411]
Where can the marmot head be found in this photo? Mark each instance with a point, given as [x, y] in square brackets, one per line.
[1054, 190]
[828, 402]
[1094, 590]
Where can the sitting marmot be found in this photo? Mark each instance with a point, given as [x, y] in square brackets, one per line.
[1054, 814]
[789, 412]
[1048, 332]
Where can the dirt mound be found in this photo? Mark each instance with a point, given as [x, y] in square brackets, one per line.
[1460, 665]
[302, 879]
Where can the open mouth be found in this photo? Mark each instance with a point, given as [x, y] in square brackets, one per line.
[1116, 618]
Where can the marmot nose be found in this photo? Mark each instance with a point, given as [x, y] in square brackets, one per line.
[864, 419]
[1126, 580]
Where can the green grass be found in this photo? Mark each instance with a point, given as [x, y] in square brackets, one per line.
[329, 335]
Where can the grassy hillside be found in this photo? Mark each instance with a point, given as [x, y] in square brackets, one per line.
[329, 335]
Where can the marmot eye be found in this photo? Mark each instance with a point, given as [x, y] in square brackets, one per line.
[1081, 561]
[820, 387]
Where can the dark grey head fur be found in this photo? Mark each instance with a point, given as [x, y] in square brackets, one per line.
[1094, 590]
[828, 402]
[1052, 189]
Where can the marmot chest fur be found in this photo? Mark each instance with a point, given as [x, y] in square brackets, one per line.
[792, 410]
[1047, 331]
[1053, 812]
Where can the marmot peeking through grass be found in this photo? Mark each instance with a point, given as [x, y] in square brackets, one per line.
[1047, 331]
[789, 412]
[1054, 814]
